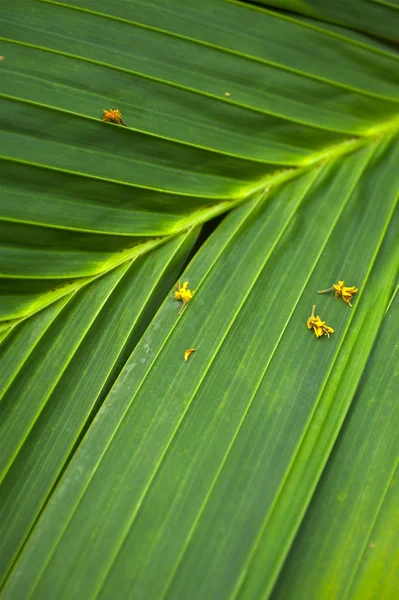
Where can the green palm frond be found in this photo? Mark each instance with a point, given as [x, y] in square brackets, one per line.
[264, 465]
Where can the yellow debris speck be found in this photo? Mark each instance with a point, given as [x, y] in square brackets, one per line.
[187, 353]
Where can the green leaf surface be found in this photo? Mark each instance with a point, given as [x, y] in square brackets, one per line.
[379, 568]
[47, 433]
[347, 546]
[21, 297]
[14, 353]
[158, 467]
[127, 471]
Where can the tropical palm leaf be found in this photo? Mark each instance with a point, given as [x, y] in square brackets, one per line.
[127, 471]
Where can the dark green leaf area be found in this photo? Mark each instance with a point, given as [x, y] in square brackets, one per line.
[37, 135]
[64, 200]
[193, 116]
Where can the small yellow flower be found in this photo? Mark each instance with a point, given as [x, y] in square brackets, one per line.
[319, 327]
[187, 353]
[343, 291]
[113, 116]
[183, 294]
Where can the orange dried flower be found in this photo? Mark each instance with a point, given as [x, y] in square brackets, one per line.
[113, 116]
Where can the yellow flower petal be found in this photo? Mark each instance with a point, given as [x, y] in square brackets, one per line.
[346, 292]
[187, 353]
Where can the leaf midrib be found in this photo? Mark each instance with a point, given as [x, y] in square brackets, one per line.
[203, 215]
